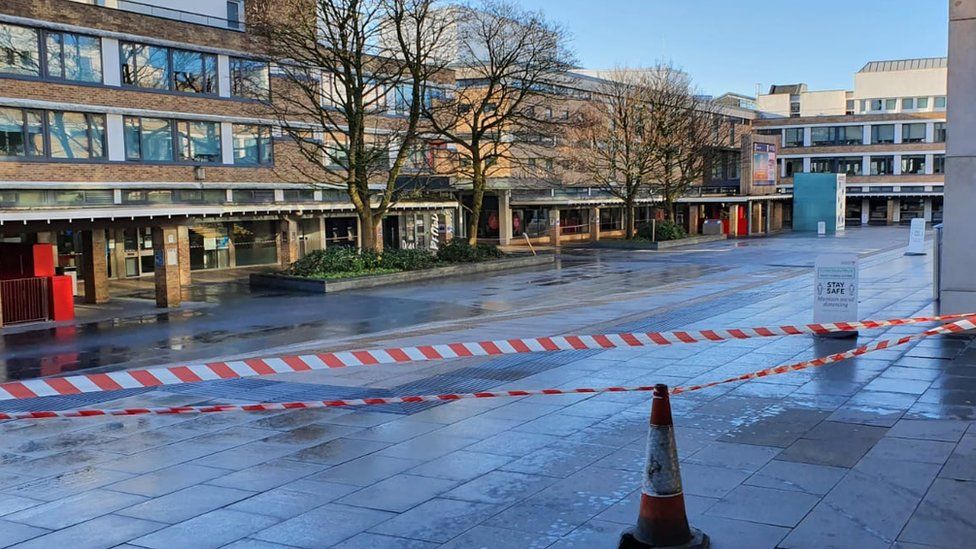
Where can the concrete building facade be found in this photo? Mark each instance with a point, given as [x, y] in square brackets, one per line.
[887, 135]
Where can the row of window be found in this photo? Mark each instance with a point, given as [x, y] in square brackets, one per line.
[854, 165]
[26, 133]
[907, 104]
[26, 51]
[821, 136]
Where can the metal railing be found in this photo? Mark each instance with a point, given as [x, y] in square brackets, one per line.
[167, 13]
[24, 300]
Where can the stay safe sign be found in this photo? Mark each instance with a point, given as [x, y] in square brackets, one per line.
[835, 288]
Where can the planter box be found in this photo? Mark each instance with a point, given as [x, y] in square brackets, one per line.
[645, 245]
[294, 283]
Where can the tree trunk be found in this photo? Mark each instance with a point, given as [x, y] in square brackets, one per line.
[671, 210]
[367, 224]
[629, 222]
[477, 200]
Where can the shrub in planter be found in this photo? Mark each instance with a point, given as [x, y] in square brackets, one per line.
[459, 251]
[408, 260]
[663, 231]
[337, 259]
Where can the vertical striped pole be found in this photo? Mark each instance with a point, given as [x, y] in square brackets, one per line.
[662, 520]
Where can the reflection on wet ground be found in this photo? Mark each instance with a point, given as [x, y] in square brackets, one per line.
[237, 321]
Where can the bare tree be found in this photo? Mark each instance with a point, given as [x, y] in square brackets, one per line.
[609, 144]
[510, 65]
[344, 66]
[687, 133]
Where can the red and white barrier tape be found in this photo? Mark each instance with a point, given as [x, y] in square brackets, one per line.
[954, 327]
[131, 379]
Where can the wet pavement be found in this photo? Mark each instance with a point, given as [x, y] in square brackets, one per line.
[874, 452]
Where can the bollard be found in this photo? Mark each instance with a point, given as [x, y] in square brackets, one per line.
[662, 520]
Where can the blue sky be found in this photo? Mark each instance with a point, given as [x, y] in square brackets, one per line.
[730, 45]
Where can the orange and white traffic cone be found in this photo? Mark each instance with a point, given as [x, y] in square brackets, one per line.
[662, 521]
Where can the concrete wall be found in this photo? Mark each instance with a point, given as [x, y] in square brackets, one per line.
[819, 103]
[776, 104]
[958, 260]
[908, 83]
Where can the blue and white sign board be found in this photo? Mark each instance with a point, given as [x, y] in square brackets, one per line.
[835, 283]
[916, 238]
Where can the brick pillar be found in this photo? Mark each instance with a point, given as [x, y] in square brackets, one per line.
[594, 224]
[166, 258]
[504, 217]
[288, 241]
[554, 231]
[693, 219]
[891, 208]
[96, 265]
[183, 242]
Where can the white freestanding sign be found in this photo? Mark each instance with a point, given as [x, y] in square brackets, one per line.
[835, 288]
[916, 239]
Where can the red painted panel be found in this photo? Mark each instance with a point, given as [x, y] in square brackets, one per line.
[62, 300]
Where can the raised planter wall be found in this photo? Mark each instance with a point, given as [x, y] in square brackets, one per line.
[645, 245]
[294, 283]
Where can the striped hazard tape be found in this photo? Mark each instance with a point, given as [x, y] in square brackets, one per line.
[965, 324]
[155, 377]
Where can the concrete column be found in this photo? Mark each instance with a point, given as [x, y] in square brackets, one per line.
[806, 137]
[287, 241]
[777, 216]
[769, 218]
[749, 218]
[865, 211]
[324, 236]
[693, 219]
[166, 260]
[117, 251]
[927, 210]
[93, 246]
[183, 243]
[594, 224]
[894, 211]
[504, 217]
[733, 220]
[896, 169]
[554, 232]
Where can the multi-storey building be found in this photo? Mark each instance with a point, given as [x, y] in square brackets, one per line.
[887, 134]
[131, 135]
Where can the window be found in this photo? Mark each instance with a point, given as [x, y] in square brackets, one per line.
[822, 165]
[876, 104]
[850, 165]
[793, 137]
[21, 133]
[922, 103]
[148, 139]
[938, 163]
[73, 57]
[145, 66]
[849, 107]
[882, 133]
[908, 103]
[940, 102]
[882, 165]
[249, 78]
[890, 104]
[913, 133]
[793, 166]
[19, 50]
[198, 141]
[836, 135]
[194, 72]
[939, 133]
[76, 135]
[252, 145]
[913, 164]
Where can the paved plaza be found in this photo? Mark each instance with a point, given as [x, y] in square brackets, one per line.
[879, 451]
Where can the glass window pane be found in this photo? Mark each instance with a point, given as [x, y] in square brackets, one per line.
[890, 104]
[246, 148]
[922, 103]
[145, 66]
[908, 103]
[35, 133]
[249, 78]
[194, 72]
[68, 132]
[96, 131]
[55, 67]
[19, 50]
[940, 102]
[157, 140]
[82, 58]
[267, 148]
[199, 141]
[12, 132]
[133, 150]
